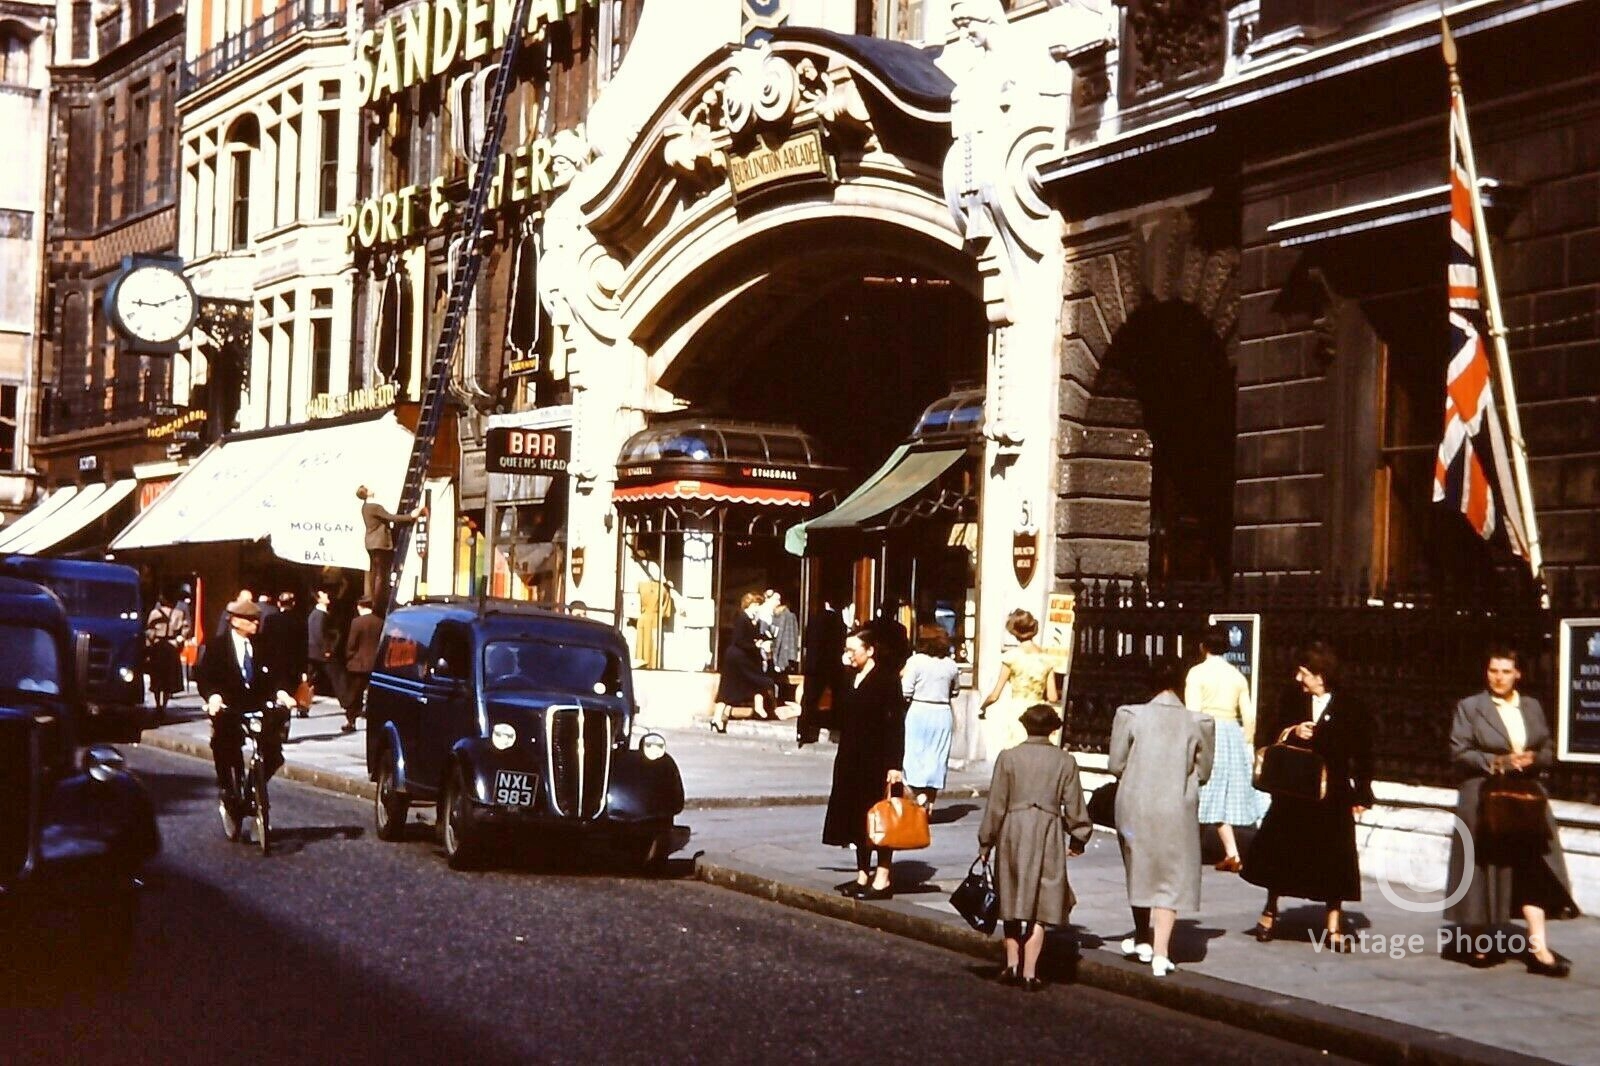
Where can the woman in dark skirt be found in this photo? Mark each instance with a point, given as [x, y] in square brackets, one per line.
[1307, 848]
[744, 679]
[163, 636]
[869, 721]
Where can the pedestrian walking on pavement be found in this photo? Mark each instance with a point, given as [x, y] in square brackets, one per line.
[1501, 736]
[283, 641]
[379, 524]
[929, 680]
[869, 721]
[1029, 672]
[1216, 687]
[1160, 754]
[1306, 848]
[360, 657]
[321, 639]
[163, 636]
[825, 673]
[1035, 808]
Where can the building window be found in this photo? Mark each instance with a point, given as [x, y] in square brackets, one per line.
[82, 28]
[243, 144]
[14, 48]
[138, 17]
[321, 340]
[8, 426]
[166, 173]
[111, 30]
[328, 165]
[108, 157]
[135, 179]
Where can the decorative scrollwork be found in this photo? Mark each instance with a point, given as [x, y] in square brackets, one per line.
[760, 88]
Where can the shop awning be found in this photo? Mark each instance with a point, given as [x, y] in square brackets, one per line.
[16, 532]
[905, 474]
[295, 489]
[710, 490]
[87, 506]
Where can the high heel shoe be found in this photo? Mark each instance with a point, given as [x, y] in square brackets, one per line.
[1558, 966]
[718, 724]
[869, 893]
[1009, 977]
[1340, 943]
[1160, 966]
[1263, 931]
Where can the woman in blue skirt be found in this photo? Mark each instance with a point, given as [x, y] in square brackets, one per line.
[930, 680]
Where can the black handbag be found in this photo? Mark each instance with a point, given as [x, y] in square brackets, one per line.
[1103, 805]
[1290, 770]
[975, 898]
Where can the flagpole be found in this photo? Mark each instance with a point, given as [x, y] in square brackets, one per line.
[1491, 310]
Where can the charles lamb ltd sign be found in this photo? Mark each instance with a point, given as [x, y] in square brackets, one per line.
[801, 156]
[380, 398]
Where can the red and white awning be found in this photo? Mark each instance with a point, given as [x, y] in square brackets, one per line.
[683, 489]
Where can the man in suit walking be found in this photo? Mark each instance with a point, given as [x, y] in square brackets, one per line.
[380, 541]
[233, 677]
[360, 656]
[283, 635]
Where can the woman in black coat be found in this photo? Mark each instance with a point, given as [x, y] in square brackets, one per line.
[869, 718]
[1307, 848]
[744, 678]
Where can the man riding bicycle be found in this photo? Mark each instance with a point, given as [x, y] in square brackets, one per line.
[234, 677]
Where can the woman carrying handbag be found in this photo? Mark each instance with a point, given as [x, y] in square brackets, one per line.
[1306, 847]
[869, 720]
[1499, 742]
[1035, 806]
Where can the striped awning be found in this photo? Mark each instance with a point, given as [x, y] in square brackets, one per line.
[713, 492]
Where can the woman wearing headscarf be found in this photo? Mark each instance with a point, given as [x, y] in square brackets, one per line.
[1306, 848]
[869, 722]
[1161, 754]
[1034, 818]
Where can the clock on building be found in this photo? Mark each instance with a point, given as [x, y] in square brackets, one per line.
[151, 304]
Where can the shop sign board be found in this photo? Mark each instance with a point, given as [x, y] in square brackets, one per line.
[524, 367]
[578, 555]
[801, 156]
[1578, 697]
[512, 450]
[377, 398]
[473, 485]
[1244, 647]
[175, 425]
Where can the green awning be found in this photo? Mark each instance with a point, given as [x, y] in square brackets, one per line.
[901, 477]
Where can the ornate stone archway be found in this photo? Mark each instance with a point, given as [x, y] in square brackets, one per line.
[1170, 256]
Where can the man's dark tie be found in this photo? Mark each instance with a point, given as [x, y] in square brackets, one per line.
[248, 667]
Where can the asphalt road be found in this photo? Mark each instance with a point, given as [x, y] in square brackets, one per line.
[340, 948]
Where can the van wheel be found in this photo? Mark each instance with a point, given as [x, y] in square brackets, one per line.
[456, 831]
[389, 807]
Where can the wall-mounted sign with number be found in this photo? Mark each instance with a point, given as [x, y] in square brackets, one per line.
[1243, 632]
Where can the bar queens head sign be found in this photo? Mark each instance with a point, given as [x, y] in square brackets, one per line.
[1025, 547]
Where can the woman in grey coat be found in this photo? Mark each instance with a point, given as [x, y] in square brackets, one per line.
[1035, 805]
[1161, 753]
[1501, 733]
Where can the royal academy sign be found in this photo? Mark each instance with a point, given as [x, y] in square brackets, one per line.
[428, 40]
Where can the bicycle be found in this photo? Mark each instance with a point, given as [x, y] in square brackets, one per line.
[250, 786]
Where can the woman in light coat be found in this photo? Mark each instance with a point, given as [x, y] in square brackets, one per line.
[929, 680]
[1161, 753]
[1035, 805]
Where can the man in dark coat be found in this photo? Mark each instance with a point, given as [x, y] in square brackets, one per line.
[235, 676]
[283, 638]
[825, 672]
[321, 638]
[360, 656]
[380, 541]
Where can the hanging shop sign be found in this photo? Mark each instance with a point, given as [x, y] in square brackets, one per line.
[431, 39]
[528, 451]
[1025, 547]
[176, 425]
[801, 156]
[1578, 697]
[539, 166]
[1244, 646]
[578, 554]
[526, 366]
[377, 398]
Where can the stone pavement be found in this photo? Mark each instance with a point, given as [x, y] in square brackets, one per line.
[756, 815]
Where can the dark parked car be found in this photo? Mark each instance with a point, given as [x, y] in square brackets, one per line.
[73, 835]
[510, 718]
[102, 601]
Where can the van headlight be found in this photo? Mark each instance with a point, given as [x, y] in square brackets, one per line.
[126, 673]
[652, 746]
[502, 736]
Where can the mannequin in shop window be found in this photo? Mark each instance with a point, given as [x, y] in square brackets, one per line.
[655, 607]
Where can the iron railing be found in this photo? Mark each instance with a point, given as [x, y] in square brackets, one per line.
[271, 29]
[70, 410]
[1409, 656]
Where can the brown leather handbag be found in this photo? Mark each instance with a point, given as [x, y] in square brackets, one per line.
[303, 694]
[898, 822]
[1290, 770]
[1513, 812]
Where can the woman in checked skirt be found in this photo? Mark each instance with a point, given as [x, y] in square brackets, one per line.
[1215, 686]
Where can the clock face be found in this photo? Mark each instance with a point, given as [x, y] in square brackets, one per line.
[155, 304]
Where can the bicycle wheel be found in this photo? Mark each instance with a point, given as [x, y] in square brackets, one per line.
[258, 779]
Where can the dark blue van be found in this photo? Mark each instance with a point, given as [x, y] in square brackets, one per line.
[102, 601]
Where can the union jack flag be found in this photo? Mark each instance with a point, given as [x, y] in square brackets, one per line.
[1472, 474]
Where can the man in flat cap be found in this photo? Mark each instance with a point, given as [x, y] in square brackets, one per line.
[234, 677]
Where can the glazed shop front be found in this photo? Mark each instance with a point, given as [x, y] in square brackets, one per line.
[793, 366]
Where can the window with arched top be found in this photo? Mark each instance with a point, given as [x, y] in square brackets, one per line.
[243, 144]
[16, 46]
